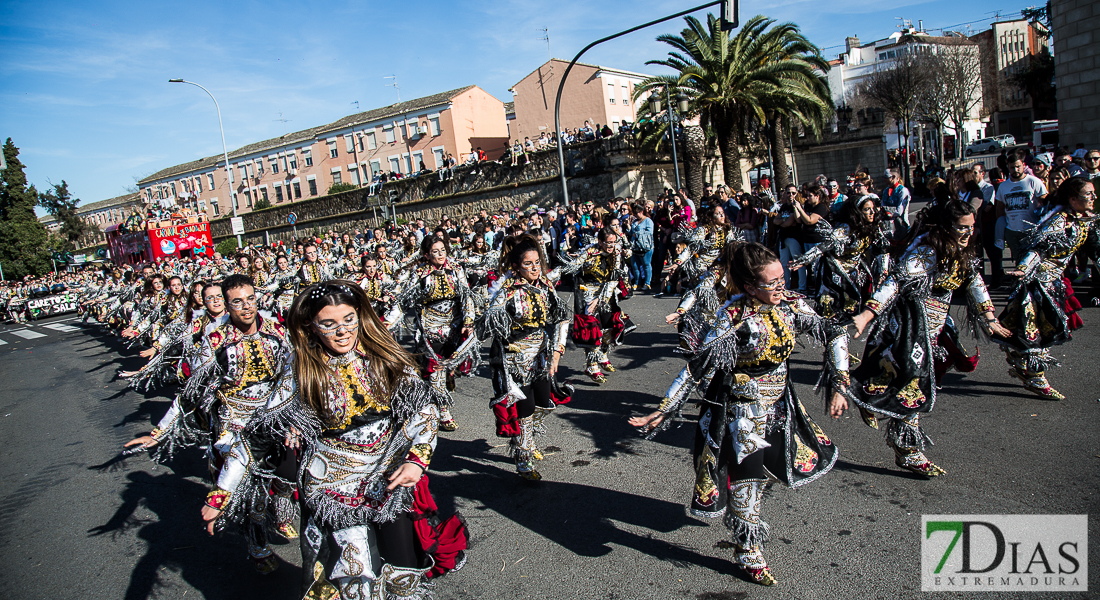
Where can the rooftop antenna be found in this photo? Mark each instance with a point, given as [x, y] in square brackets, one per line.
[356, 103]
[546, 38]
[394, 85]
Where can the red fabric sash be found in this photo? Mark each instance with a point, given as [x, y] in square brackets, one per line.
[444, 540]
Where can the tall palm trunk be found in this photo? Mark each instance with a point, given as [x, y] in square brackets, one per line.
[728, 135]
[778, 142]
[695, 148]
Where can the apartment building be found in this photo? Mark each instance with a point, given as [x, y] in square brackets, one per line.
[592, 93]
[1007, 48]
[304, 164]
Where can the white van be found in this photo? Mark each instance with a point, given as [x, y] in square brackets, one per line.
[990, 145]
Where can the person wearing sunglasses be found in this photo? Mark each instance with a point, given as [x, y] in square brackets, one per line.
[752, 422]
[313, 270]
[897, 376]
[1041, 311]
[231, 380]
[353, 403]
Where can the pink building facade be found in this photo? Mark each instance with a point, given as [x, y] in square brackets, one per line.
[352, 150]
[592, 93]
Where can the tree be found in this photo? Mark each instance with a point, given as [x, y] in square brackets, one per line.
[22, 237]
[1037, 79]
[336, 188]
[733, 80]
[961, 75]
[261, 204]
[59, 203]
[895, 87]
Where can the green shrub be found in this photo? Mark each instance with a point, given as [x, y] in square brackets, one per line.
[227, 247]
[340, 187]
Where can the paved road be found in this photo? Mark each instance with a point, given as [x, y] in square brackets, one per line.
[608, 521]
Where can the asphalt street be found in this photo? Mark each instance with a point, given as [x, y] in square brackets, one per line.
[607, 521]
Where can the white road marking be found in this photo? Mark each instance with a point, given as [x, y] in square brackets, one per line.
[61, 327]
[2, 342]
[27, 334]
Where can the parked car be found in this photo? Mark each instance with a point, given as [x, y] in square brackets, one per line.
[990, 145]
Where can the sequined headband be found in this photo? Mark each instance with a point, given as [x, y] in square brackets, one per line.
[327, 288]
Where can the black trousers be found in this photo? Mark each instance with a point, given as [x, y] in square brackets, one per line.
[538, 394]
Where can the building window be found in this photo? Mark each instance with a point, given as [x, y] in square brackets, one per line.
[297, 191]
[336, 178]
[274, 166]
[198, 184]
[418, 157]
[248, 167]
[214, 205]
[248, 198]
[263, 193]
[433, 125]
[408, 164]
[395, 164]
[349, 143]
[439, 155]
[375, 168]
[626, 93]
[210, 180]
[412, 125]
[372, 143]
[611, 92]
[278, 193]
[307, 157]
[388, 129]
[332, 150]
[293, 158]
[244, 173]
[236, 201]
[173, 186]
[353, 175]
[260, 167]
[312, 183]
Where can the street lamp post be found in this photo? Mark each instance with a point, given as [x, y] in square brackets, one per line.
[673, 118]
[225, 152]
[729, 21]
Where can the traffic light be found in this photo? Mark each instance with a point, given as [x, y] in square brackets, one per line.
[729, 15]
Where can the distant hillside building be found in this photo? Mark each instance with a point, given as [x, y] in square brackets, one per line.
[304, 164]
[592, 93]
[1007, 48]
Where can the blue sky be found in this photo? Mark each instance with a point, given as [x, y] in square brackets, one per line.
[84, 89]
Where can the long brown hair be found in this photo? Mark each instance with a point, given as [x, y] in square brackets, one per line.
[388, 360]
[514, 247]
[938, 221]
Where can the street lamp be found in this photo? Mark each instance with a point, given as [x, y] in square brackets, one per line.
[225, 152]
[655, 106]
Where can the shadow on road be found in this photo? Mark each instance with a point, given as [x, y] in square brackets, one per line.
[578, 517]
[162, 510]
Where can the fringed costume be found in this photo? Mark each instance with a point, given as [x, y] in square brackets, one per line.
[1040, 307]
[528, 323]
[752, 426]
[602, 278]
[897, 377]
[360, 540]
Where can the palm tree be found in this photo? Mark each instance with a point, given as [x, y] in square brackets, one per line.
[731, 81]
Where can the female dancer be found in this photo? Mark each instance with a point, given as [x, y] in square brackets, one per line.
[529, 324]
[598, 322]
[897, 376]
[703, 244]
[445, 310]
[752, 423]
[854, 258]
[1037, 311]
[282, 286]
[352, 398]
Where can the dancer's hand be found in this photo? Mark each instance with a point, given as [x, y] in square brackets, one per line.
[146, 441]
[554, 363]
[998, 330]
[673, 318]
[795, 267]
[466, 331]
[148, 353]
[210, 515]
[405, 476]
[591, 310]
[837, 405]
[861, 321]
[649, 422]
[293, 439]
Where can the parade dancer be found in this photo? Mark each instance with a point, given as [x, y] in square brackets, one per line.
[444, 308]
[230, 384]
[313, 270]
[598, 322]
[752, 425]
[352, 398]
[378, 286]
[1039, 308]
[528, 324]
[896, 377]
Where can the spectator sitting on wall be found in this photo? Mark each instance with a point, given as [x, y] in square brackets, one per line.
[606, 132]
